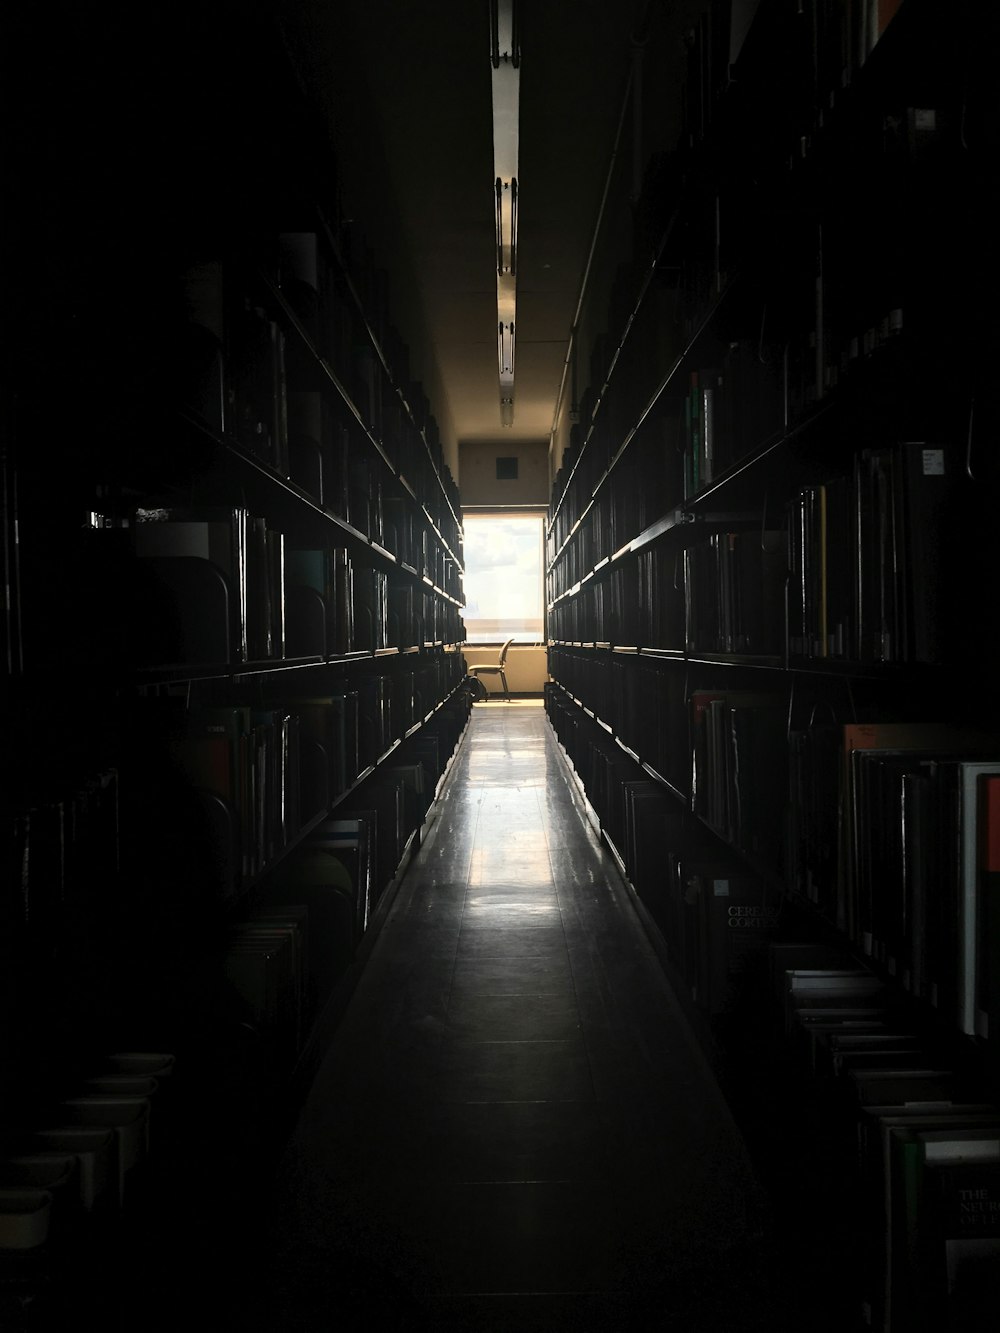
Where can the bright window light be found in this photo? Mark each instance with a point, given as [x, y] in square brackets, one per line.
[503, 577]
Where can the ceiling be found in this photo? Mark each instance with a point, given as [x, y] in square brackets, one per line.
[405, 86]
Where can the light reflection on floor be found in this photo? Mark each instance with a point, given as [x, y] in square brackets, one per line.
[513, 1129]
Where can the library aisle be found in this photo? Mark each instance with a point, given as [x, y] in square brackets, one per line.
[513, 1127]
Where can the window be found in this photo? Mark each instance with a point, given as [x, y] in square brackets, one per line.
[504, 577]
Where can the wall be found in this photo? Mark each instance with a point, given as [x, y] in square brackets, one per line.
[478, 487]
[526, 666]
[477, 473]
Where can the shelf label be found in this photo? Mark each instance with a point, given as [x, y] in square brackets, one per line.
[933, 460]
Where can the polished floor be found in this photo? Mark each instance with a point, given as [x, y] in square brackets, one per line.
[513, 1127]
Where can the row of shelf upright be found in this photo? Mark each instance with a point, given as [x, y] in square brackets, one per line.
[768, 662]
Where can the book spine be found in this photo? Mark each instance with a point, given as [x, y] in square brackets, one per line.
[987, 997]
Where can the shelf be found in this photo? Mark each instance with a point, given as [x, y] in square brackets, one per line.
[310, 826]
[379, 352]
[570, 535]
[602, 395]
[663, 654]
[740, 660]
[619, 742]
[838, 371]
[383, 759]
[679, 521]
[293, 508]
[687, 516]
[767, 453]
[932, 674]
[290, 315]
[147, 677]
[764, 871]
[676, 366]
[647, 278]
[173, 802]
[447, 548]
[666, 784]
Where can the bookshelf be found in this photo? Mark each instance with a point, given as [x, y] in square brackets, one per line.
[767, 668]
[233, 648]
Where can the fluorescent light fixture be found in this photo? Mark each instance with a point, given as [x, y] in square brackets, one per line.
[506, 199]
[503, 32]
[506, 59]
[505, 354]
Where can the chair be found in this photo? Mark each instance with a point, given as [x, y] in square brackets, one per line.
[497, 670]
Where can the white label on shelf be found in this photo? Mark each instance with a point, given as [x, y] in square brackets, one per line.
[933, 462]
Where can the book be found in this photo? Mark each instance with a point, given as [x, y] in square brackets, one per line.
[303, 276]
[737, 916]
[290, 771]
[874, 17]
[916, 887]
[736, 592]
[988, 909]
[375, 721]
[203, 375]
[274, 574]
[310, 603]
[94, 1148]
[213, 755]
[265, 566]
[402, 624]
[416, 795]
[924, 1213]
[960, 1252]
[398, 529]
[343, 598]
[813, 828]
[921, 851]
[930, 478]
[310, 434]
[255, 357]
[263, 963]
[788, 955]
[709, 390]
[886, 738]
[832, 990]
[329, 746]
[813, 632]
[877, 560]
[834, 1051]
[292, 918]
[317, 877]
[973, 924]
[701, 411]
[350, 840]
[193, 569]
[906, 500]
[370, 609]
[264, 756]
[364, 496]
[875, 1130]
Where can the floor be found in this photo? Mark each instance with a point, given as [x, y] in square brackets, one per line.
[514, 1128]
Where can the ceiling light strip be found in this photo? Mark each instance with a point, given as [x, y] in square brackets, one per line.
[505, 59]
